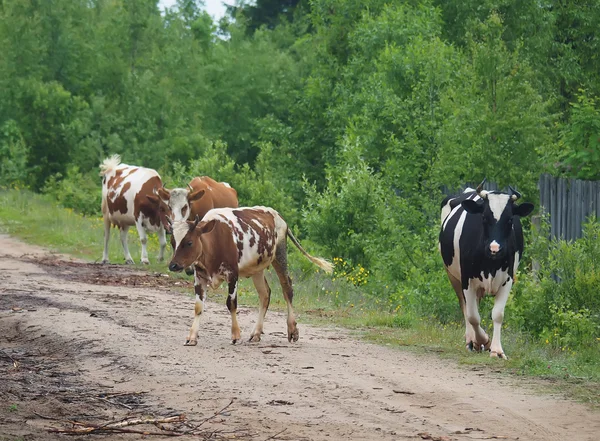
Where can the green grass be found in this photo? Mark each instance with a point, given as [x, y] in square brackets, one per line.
[36, 220]
[320, 299]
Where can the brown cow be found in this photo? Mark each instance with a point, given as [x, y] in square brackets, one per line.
[128, 199]
[203, 194]
[231, 243]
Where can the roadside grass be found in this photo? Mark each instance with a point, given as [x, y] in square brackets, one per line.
[36, 220]
[322, 300]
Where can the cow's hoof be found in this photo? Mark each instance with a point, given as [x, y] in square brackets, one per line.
[255, 338]
[293, 337]
[474, 347]
[191, 342]
[502, 355]
[129, 262]
[488, 345]
[146, 262]
[233, 341]
[105, 262]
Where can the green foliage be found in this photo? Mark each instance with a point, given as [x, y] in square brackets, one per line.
[560, 303]
[496, 119]
[347, 215]
[13, 157]
[579, 145]
[78, 191]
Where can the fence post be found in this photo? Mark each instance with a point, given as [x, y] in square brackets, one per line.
[536, 223]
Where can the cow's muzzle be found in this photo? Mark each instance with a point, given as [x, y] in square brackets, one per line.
[175, 267]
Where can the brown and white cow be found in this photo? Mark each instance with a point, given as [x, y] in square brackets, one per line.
[128, 199]
[231, 243]
[203, 194]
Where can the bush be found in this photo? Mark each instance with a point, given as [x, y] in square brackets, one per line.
[13, 156]
[560, 303]
[81, 192]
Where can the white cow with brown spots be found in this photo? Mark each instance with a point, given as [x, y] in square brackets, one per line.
[231, 243]
[129, 199]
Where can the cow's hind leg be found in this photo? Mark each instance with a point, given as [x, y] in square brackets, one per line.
[469, 332]
[128, 258]
[280, 265]
[106, 239]
[472, 315]
[232, 306]
[264, 297]
[200, 290]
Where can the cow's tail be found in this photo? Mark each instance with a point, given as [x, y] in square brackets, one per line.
[325, 265]
[109, 164]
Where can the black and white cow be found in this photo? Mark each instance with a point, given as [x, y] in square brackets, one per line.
[481, 242]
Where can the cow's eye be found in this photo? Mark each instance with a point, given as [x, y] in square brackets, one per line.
[189, 244]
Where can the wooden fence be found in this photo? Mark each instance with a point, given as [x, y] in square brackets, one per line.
[569, 202]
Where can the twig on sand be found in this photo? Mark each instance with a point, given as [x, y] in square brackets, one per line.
[276, 435]
[195, 427]
[121, 426]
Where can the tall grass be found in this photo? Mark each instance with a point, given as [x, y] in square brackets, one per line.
[341, 300]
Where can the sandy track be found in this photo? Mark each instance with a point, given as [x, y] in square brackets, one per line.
[327, 386]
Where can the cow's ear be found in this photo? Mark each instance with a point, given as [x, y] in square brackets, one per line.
[472, 206]
[523, 210]
[208, 227]
[196, 195]
[164, 194]
[153, 198]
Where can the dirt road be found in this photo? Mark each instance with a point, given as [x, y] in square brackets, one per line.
[75, 350]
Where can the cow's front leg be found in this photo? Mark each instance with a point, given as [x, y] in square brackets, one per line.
[200, 288]
[479, 337]
[232, 306]
[162, 241]
[144, 241]
[498, 318]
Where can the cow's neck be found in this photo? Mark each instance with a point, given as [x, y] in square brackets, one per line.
[206, 255]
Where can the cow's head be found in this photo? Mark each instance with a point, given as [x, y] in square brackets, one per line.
[497, 212]
[188, 243]
[160, 201]
[181, 200]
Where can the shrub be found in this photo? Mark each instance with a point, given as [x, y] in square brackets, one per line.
[13, 156]
[560, 302]
[81, 192]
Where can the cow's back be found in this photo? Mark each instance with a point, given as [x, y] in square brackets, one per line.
[254, 231]
[217, 195]
[124, 190]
